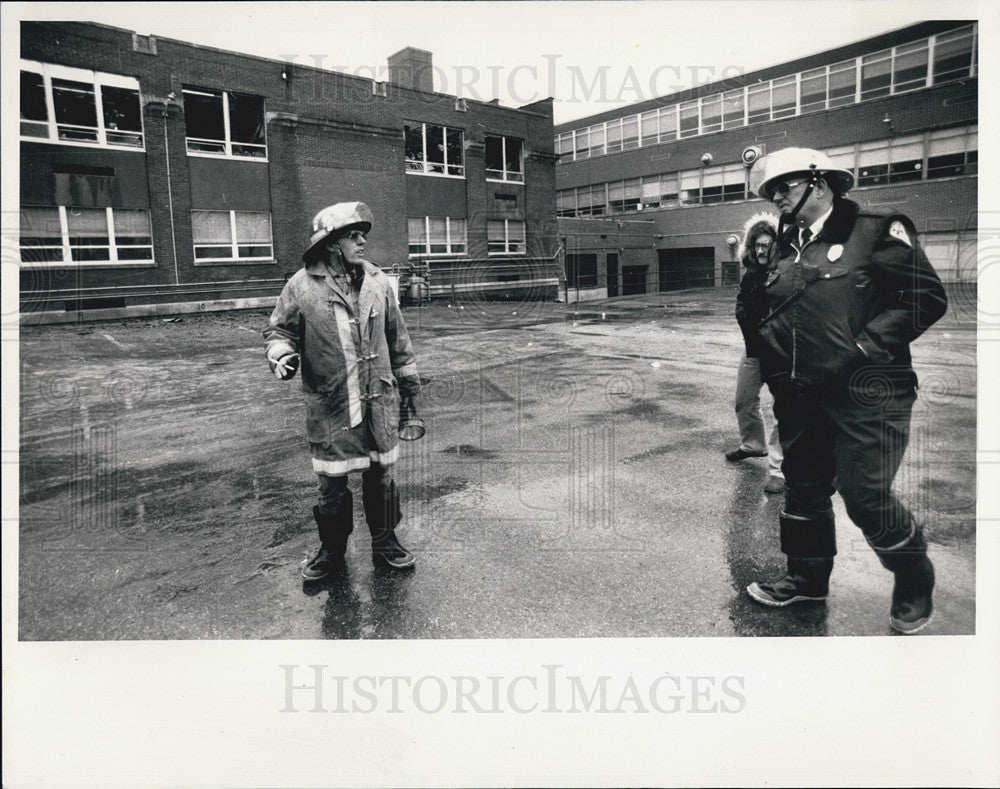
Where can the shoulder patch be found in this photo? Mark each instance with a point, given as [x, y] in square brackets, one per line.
[898, 231]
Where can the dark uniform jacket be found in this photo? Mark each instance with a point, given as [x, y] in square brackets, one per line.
[847, 306]
[751, 305]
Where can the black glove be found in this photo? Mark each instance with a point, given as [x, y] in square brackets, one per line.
[407, 408]
[409, 385]
[286, 366]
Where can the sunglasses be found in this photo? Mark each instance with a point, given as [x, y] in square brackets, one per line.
[784, 187]
[357, 236]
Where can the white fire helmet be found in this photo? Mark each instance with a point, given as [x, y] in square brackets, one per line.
[334, 218]
[795, 161]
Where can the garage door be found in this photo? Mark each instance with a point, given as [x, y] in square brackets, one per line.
[634, 279]
[688, 267]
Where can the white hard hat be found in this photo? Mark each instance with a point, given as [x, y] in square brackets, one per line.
[793, 161]
[337, 217]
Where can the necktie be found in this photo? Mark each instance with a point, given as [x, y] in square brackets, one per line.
[806, 235]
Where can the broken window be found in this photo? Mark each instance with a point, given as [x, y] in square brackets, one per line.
[503, 158]
[220, 122]
[77, 106]
[434, 149]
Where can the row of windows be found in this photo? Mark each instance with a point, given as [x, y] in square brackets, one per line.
[76, 106]
[447, 236]
[921, 64]
[440, 150]
[64, 235]
[938, 154]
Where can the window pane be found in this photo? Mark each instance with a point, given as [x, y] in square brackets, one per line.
[455, 158]
[33, 97]
[953, 55]
[414, 141]
[650, 127]
[689, 119]
[495, 230]
[211, 227]
[132, 225]
[246, 119]
[88, 234]
[614, 136]
[513, 148]
[711, 114]
[597, 140]
[494, 153]
[75, 107]
[121, 109]
[630, 132]
[842, 84]
[783, 98]
[813, 90]
[435, 147]
[203, 115]
[875, 75]
[41, 235]
[910, 67]
[253, 227]
[947, 142]
[733, 108]
[668, 123]
[758, 103]
[582, 144]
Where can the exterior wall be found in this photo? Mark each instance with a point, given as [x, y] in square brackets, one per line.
[330, 137]
[943, 206]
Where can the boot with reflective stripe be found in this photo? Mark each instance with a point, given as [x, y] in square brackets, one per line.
[335, 524]
[912, 606]
[382, 512]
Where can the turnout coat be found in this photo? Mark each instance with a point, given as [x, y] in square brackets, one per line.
[844, 309]
[351, 355]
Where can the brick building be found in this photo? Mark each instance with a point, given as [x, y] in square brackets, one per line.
[648, 195]
[157, 175]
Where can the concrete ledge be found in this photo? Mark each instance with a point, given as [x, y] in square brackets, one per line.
[590, 294]
[144, 311]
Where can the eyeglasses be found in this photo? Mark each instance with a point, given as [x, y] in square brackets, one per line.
[784, 187]
[763, 245]
[357, 236]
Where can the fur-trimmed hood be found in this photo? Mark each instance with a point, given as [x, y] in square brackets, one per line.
[753, 227]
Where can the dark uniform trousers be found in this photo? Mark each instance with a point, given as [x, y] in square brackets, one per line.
[847, 440]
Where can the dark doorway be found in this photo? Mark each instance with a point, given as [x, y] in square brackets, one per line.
[690, 267]
[634, 279]
[612, 274]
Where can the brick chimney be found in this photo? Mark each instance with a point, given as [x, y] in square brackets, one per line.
[411, 68]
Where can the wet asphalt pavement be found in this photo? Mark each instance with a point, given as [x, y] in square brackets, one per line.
[571, 483]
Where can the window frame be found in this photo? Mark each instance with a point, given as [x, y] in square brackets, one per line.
[234, 241]
[424, 166]
[66, 246]
[227, 142]
[506, 175]
[507, 251]
[449, 240]
[97, 80]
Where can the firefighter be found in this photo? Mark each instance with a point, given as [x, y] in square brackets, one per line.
[850, 291]
[337, 320]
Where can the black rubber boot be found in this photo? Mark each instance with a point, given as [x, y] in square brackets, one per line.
[912, 606]
[807, 580]
[810, 544]
[382, 512]
[335, 524]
